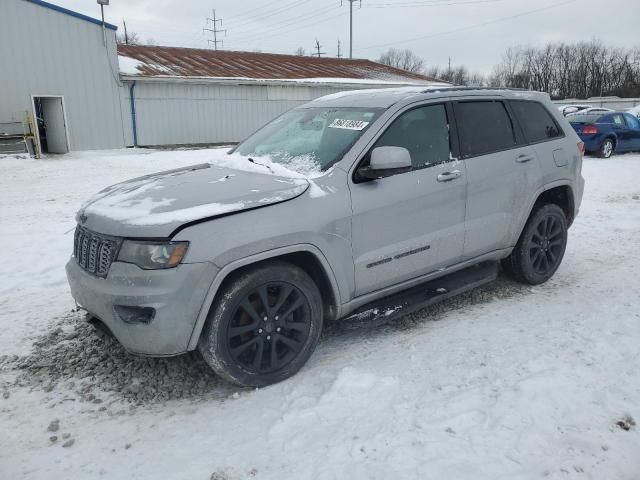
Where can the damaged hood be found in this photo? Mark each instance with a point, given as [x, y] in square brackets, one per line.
[156, 205]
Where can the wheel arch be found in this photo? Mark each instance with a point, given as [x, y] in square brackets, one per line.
[305, 256]
[561, 195]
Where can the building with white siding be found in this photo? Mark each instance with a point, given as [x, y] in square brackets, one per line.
[62, 67]
[65, 70]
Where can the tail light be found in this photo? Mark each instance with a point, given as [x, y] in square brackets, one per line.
[589, 130]
[581, 148]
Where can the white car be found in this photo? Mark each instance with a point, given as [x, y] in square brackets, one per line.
[567, 109]
[635, 111]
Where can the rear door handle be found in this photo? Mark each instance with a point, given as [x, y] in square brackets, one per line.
[524, 158]
[448, 176]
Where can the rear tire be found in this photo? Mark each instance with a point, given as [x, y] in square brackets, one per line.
[607, 148]
[264, 325]
[540, 248]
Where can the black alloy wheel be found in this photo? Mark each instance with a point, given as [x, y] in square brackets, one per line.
[546, 245]
[264, 325]
[541, 246]
[269, 327]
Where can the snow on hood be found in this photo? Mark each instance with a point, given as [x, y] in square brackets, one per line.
[155, 205]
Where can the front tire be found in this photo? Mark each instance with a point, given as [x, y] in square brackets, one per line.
[607, 148]
[540, 248]
[264, 325]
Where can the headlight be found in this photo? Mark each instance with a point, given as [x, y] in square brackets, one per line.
[153, 255]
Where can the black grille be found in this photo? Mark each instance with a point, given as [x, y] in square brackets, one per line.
[95, 252]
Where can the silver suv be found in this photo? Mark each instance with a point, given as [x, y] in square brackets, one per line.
[368, 203]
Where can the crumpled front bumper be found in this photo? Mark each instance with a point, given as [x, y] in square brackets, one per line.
[176, 295]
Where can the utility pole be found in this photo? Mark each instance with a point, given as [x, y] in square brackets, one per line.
[214, 21]
[126, 37]
[339, 51]
[351, 23]
[318, 47]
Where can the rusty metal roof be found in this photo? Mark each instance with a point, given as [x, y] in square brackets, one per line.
[155, 61]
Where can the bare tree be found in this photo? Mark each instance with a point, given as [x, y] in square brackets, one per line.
[581, 70]
[403, 59]
[301, 52]
[131, 39]
[457, 75]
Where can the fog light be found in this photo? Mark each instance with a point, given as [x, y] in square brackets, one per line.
[133, 315]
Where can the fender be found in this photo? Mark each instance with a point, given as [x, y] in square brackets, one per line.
[258, 257]
[556, 183]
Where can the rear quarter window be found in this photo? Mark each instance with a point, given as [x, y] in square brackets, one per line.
[584, 118]
[484, 127]
[537, 123]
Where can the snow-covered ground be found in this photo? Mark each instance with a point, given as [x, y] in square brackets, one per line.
[505, 382]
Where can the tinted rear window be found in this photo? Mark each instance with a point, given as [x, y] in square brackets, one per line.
[536, 122]
[484, 127]
[584, 117]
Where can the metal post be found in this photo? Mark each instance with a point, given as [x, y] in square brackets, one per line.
[104, 32]
[351, 28]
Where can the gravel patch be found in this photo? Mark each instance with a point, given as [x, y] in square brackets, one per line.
[76, 359]
[80, 363]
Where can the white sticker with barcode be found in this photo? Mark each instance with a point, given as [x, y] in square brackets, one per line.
[348, 124]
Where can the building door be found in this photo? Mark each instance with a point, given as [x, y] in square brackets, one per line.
[51, 124]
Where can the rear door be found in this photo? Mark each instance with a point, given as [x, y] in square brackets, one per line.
[502, 172]
[412, 223]
[541, 131]
[633, 124]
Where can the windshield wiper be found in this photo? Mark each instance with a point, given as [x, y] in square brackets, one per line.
[261, 164]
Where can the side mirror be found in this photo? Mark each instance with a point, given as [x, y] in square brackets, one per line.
[387, 161]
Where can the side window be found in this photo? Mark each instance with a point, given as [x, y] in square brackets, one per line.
[632, 122]
[617, 119]
[484, 127]
[537, 123]
[424, 131]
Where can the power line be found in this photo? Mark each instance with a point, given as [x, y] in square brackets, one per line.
[277, 26]
[283, 28]
[469, 27]
[442, 3]
[242, 22]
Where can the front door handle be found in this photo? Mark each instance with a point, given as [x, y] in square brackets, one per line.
[448, 176]
[524, 158]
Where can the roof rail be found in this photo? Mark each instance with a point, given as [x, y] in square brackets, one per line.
[465, 89]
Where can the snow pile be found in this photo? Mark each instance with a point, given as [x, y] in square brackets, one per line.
[301, 166]
[503, 382]
[124, 204]
[129, 66]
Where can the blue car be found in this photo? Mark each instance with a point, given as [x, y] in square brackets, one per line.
[606, 133]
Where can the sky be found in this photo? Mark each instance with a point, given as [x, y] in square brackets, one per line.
[470, 32]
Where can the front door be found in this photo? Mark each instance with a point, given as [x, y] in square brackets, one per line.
[633, 124]
[412, 223]
[623, 133]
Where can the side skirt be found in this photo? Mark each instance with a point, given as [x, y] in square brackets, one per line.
[402, 303]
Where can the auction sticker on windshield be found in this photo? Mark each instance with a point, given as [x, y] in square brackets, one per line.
[348, 124]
